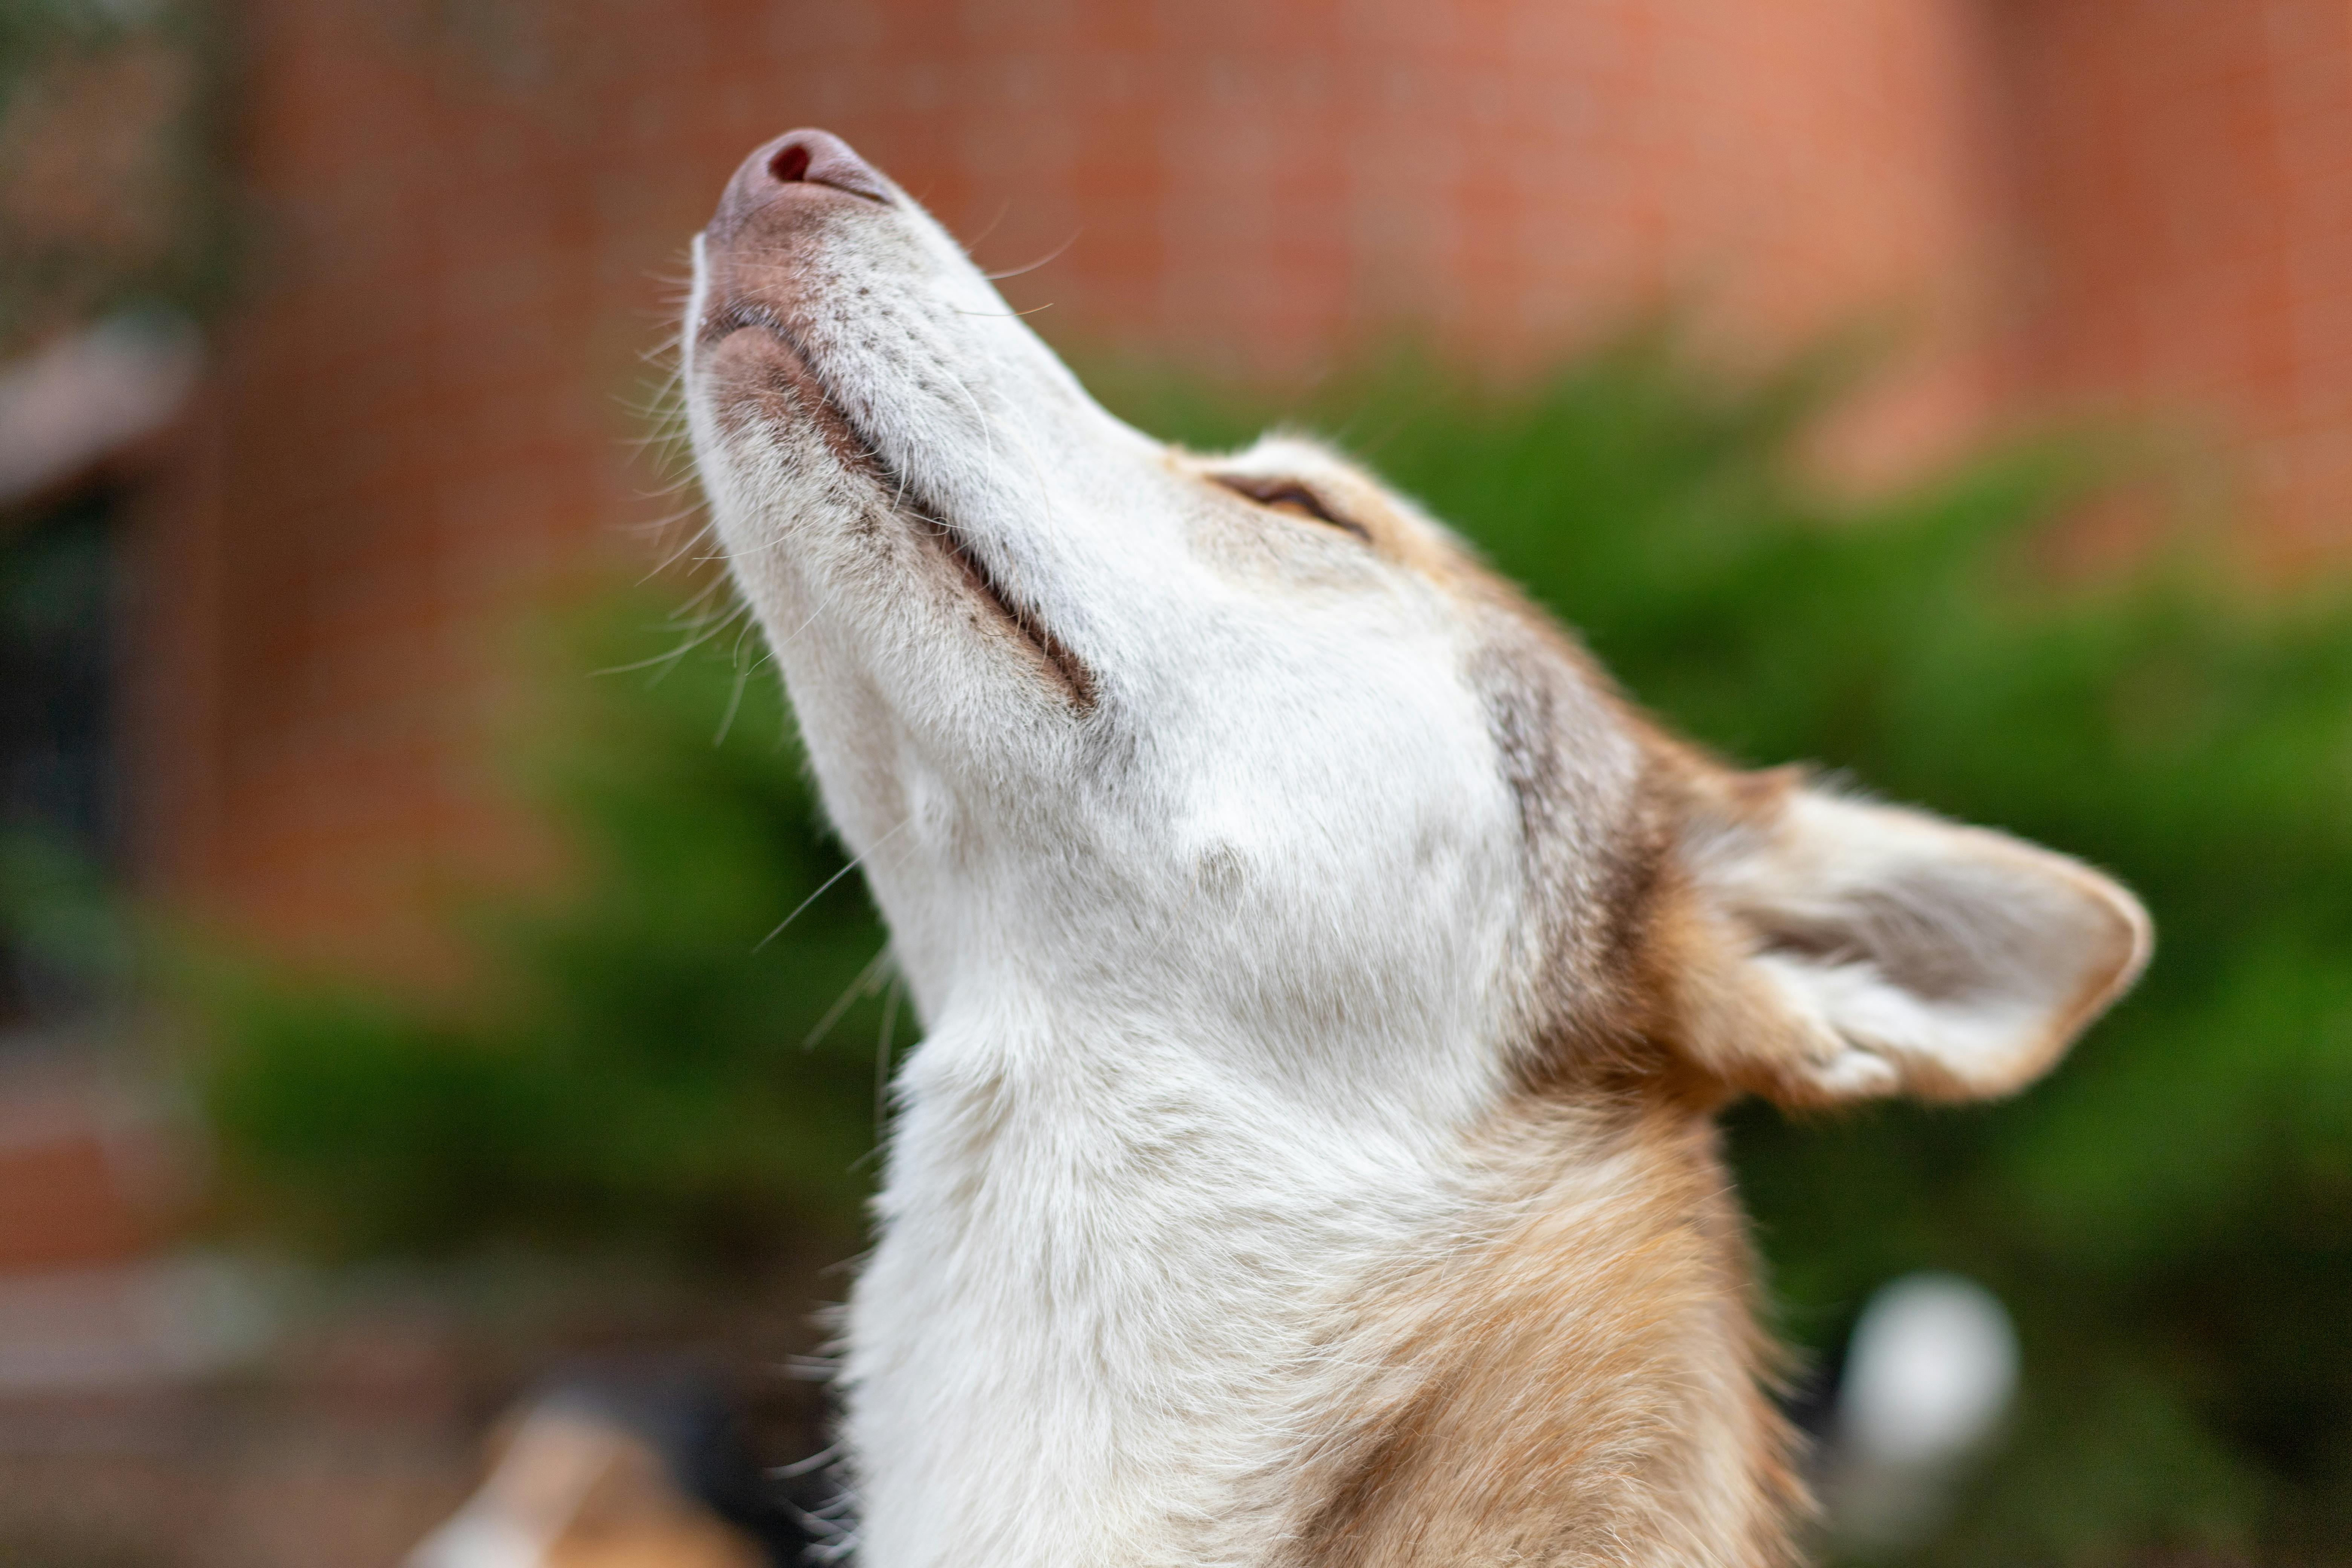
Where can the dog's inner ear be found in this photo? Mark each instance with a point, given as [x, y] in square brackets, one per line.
[1828, 948]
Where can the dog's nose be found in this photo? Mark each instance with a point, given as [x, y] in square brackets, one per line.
[795, 158]
[821, 158]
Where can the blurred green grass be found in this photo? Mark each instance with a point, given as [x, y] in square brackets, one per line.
[2169, 1217]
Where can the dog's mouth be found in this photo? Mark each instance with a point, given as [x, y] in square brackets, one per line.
[858, 453]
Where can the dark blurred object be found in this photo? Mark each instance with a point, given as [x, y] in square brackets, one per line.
[649, 1465]
[64, 955]
[106, 222]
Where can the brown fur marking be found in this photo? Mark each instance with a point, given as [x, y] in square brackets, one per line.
[1580, 1387]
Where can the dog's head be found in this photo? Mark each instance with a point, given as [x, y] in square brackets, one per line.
[1250, 745]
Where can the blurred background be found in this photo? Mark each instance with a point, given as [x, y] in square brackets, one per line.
[1954, 392]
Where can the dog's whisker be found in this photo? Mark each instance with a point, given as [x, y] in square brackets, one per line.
[1046, 260]
[861, 986]
[828, 884]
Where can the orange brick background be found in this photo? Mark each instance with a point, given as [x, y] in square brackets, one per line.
[2183, 176]
[464, 217]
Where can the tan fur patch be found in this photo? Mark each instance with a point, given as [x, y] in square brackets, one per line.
[1581, 1385]
[1583, 1382]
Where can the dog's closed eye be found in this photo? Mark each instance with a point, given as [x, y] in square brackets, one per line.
[1291, 496]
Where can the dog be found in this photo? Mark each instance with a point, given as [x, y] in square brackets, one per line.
[1329, 978]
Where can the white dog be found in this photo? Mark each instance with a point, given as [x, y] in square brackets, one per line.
[1329, 978]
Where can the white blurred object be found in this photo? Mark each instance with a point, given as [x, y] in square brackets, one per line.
[1929, 1376]
[71, 404]
[1931, 1371]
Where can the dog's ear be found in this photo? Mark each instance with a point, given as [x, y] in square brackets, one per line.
[1828, 948]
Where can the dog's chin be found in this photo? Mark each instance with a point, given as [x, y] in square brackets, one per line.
[768, 390]
[765, 382]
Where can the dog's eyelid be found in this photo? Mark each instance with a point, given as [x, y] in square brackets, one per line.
[1291, 495]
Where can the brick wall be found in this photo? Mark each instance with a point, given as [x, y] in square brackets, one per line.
[467, 215]
[2184, 193]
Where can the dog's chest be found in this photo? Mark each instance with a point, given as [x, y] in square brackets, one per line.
[1098, 1301]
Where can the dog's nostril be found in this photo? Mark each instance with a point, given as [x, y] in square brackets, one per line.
[791, 163]
[812, 157]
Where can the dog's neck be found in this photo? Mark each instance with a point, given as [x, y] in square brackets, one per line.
[1137, 1304]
